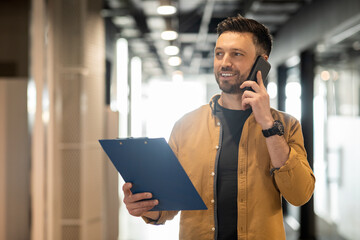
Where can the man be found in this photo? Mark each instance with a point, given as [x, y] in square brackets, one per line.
[241, 155]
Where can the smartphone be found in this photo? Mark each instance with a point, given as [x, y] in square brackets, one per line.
[260, 65]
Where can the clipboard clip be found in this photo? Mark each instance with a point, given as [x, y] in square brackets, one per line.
[143, 139]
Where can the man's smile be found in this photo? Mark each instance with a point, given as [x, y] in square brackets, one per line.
[227, 74]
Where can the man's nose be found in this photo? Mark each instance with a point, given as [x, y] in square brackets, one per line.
[226, 61]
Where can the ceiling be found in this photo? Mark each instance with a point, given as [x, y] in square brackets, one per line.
[195, 21]
[340, 48]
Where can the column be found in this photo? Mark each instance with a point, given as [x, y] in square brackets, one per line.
[307, 65]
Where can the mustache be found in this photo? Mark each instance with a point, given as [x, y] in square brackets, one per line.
[226, 69]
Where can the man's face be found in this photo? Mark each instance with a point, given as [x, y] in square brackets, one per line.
[235, 54]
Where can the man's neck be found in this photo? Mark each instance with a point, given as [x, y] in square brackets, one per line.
[231, 101]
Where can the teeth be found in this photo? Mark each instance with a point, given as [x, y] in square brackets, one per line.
[227, 74]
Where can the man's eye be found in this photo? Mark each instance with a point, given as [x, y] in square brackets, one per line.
[219, 54]
[238, 54]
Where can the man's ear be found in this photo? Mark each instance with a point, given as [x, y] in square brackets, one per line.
[265, 56]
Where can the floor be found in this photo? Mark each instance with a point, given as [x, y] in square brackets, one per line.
[324, 231]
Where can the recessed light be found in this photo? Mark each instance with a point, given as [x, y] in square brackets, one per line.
[169, 35]
[174, 61]
[166, 10]
[171, 50]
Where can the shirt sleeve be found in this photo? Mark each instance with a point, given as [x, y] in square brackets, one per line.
[295, 179]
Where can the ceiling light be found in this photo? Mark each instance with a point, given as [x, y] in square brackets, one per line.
[166, 10]
[169, 35]
[124, 21]
[171, 50]
[174, 61]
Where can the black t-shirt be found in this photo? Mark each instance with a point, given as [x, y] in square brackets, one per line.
[232, 122]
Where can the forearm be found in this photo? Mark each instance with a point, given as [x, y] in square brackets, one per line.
[277, 146]
[294, 179]
[278, 150]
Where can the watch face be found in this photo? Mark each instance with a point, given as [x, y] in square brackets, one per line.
[279, 128]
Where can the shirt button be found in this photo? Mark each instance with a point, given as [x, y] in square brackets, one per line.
[212, 201]
[217, 147]
[212, 174]
[218, 123]
[213, 229]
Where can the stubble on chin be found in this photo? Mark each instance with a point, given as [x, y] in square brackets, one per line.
[229, 88]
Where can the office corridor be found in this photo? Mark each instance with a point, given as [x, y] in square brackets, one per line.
[76, 71]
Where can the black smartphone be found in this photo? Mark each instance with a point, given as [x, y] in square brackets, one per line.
[260, 65]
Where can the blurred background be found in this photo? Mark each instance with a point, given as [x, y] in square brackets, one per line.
[75, 71]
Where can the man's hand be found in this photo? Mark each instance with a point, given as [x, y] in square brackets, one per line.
[139, 204]
[258, 101]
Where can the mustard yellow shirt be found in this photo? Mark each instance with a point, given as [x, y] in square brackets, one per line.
[195, 140]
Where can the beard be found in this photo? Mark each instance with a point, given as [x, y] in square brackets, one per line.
[231, 88]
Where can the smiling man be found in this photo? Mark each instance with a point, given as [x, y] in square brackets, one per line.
[241, 155]
[234, 57]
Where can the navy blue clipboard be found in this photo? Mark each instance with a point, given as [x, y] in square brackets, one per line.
[151, 166]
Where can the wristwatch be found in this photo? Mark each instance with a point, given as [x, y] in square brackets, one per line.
[276, 129]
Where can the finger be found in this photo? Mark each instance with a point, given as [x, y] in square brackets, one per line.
[137, 197]
[126, 189]
[139, 208]
[259, 78]
[134, 198]
[247, 83]
[248, 94]
[246, 102]
[251, 84]
[143, 204]
[139, 211]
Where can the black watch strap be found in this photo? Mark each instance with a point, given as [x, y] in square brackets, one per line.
[276, 129]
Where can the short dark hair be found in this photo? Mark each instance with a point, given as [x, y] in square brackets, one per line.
[262, 37]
